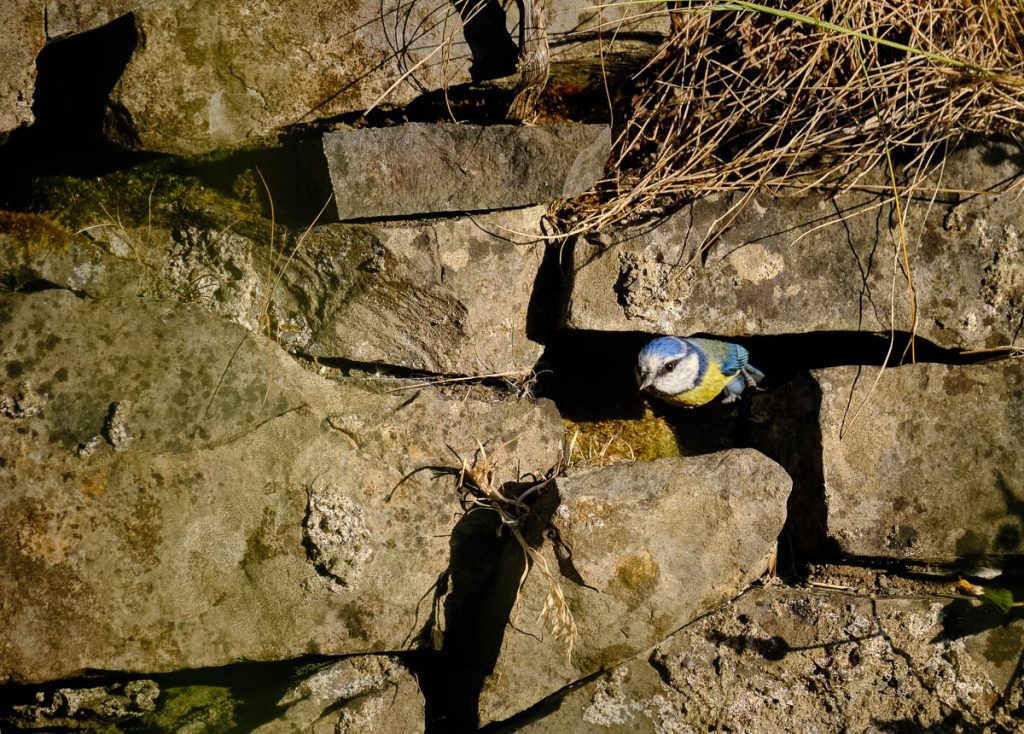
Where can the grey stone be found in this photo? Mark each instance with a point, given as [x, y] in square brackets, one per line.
[21, 41]
[931, 467]
[186, 548]
[358, 694]
[445, 296]
[212, 74]
[421, 168]
[794, 660]
[815, 262]
[651, 546]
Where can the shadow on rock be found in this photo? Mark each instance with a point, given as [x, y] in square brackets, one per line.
[482, 583]
[75, 121]
[480, 591]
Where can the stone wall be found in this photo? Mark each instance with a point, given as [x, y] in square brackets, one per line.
[377, 469]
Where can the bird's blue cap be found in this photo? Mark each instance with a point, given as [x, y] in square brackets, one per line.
[663, 346]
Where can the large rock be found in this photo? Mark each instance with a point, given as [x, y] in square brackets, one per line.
[21, 41]
[794, 264]
[931, 467]
[444, 296]
[178, 492]
[643, 549]
[214, 74]
[425, 169]
[806, 661]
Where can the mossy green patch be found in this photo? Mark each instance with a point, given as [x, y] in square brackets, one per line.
[153, 192]
[608, 441]
[32, 232]
[638, 572]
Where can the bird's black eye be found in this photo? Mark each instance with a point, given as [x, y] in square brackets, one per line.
[668, 367]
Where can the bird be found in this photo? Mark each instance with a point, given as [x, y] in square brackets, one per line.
[694, 371]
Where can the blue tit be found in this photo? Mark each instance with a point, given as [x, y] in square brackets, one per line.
[695, 371]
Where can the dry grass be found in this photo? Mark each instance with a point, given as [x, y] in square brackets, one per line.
[477, 483]
[743, 96]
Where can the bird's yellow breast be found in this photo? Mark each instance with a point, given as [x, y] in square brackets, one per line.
[712, 383]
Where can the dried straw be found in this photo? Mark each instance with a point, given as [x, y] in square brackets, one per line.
[744, 95]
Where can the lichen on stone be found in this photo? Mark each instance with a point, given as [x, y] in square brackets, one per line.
[336, 535]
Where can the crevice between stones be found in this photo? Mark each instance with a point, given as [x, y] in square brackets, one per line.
[73, 126]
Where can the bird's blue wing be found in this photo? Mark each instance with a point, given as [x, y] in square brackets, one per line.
[730, 357]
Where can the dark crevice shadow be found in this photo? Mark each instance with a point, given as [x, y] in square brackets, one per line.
[484, 573]
[590, 374]
[785, 428]
[75, 120]
[547, 297]
[495, 54]
[295, 172]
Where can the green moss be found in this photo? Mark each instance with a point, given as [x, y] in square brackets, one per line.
[643, 439]
[639, 573]
[32, 232]
[153, 192]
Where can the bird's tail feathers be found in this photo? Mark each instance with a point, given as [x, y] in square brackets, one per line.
[752, 374]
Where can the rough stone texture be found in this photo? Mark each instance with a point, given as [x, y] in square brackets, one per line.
[421, 168]
[21, 41]
[807, 661]
[447, 296]
[186, 548]
[88, 707]
[358, 694]
[576, 28]
[820, 263]
[650, 546]
[931, 468]
[65, 17]
[213, 74]
[216, 73]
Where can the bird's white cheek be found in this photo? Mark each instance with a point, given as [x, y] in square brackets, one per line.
[681, 379]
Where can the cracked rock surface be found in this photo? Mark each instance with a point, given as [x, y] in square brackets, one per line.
[447, 295]
[798, 660]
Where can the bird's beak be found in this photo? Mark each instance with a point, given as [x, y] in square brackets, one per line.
[646, 382]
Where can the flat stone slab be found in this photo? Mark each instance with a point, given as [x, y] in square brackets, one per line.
[796, 264]
[643, 549]
[932, 468]
[421, 168]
